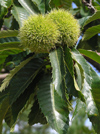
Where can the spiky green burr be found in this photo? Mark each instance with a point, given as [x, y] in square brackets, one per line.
[39, 34]
[67, 25]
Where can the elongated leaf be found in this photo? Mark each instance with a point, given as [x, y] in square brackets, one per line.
[80, 75]
[20, 14]
[95, 16]
[92, 55]
[96, 95]
[53, 107]
[61, 3]
[90, 32]
[10, 46]
[58, 71]
[9, 39]
[23, 78]
[91, 107]
[8, 33]
[4, 55]
[22, 102]
[96, 88]
[43, 5]
[71, 84]
[6, 3]
[36, 116]
[4, 104]
[12, 73]
[29, 6]
[83, 20]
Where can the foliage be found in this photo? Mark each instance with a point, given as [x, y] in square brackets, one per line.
[48, 81]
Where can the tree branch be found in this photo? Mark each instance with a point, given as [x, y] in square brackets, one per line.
[89, 5]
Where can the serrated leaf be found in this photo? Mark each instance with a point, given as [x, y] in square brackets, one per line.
[12, 73]
[86, 90]
[8, 33]
[69, 60]
[36, 115]
[24, 76]
[61, 3]
[6, 3]
[95, 16]
[29, 6]
[9, 39]
[80, 75]
[22, 102]
[96, 88]
[20, 14]
[90, 32]
[42, 5]
[83, 20]
[91, 54]
[53, 107]
[10, 46]
[58, 71]
[96, 95]
[72, 88]
[4, 104]
[4, 55]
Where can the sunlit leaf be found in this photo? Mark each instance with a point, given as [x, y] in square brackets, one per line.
[8, 33]
[53, 107]
[95, 16]
[90, 32]
[20, 14]
[58, 71]
[30, 7]
[91, 54]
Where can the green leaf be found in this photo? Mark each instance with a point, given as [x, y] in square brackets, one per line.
[83, 20]
[86, 90]
[4, 55]
[3, 109]
[9, 39]
[90, 32]
[30, 7]
[3, 11]
[8, 33]
[61, 3]
[96, 95]
[36, 116]
[6, 3]
[80, 75]
[53, 107]
[10, 46]
[12, 73]
[25, 73]
[96, 88]
[95, 16]
[72, 88]
[43, 5]
[20, 14]
[92, 55]
[22, 102]
[58, 71]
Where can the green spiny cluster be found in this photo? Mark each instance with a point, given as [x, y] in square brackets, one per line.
[41, 33]
[67, 25]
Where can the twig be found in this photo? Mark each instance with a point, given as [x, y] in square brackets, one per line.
[89, 5]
